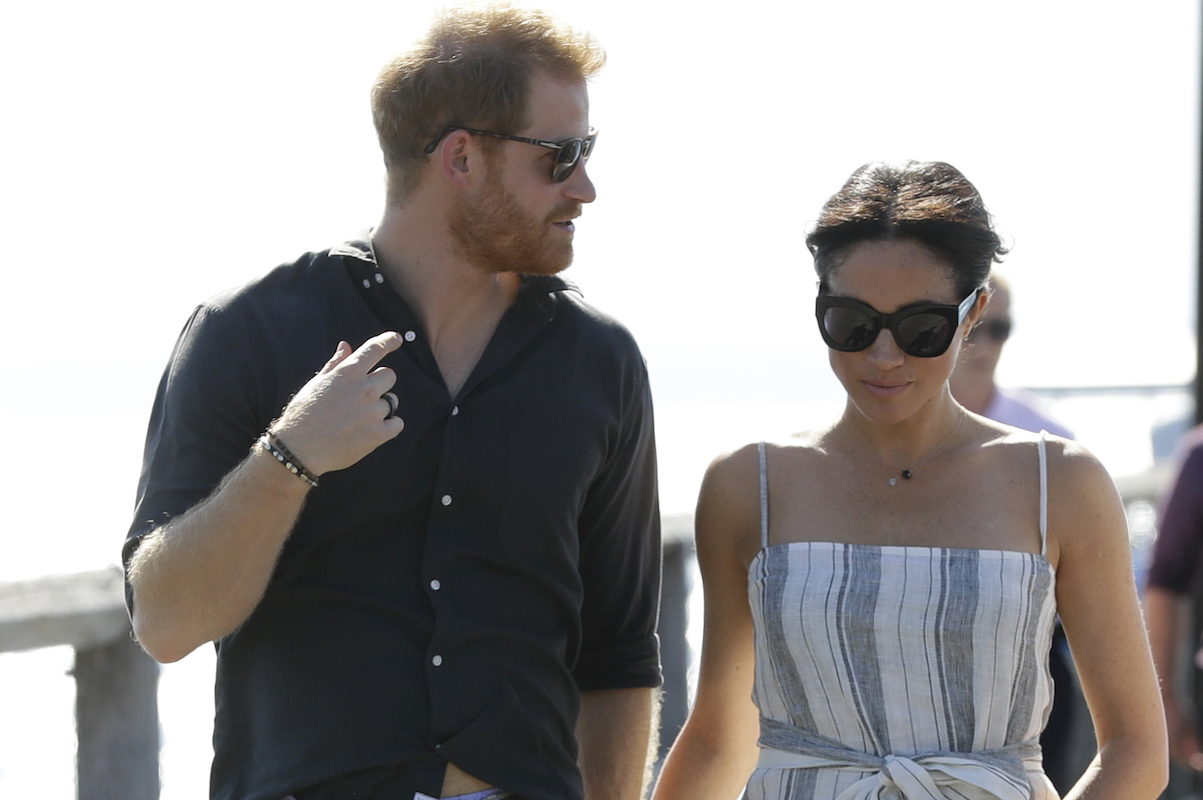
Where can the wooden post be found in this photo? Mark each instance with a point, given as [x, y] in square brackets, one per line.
[117, 722]
[674, 649]
[116, 697]
[1199, 270]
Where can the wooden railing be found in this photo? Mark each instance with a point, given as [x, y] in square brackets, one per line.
[116, 705]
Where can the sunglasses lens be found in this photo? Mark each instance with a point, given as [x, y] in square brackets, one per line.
[999, 329]
[924, 335]
[848, 329]
[567, 160]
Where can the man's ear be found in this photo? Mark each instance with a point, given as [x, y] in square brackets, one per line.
[460, 158]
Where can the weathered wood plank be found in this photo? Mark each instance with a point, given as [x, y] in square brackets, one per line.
[117, 722]
[674, 647]
[86, 609]
[677, 533]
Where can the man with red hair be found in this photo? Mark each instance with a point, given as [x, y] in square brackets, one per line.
[435, 571]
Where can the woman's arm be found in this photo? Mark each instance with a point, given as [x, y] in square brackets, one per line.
[1096, 597]
[716, 749]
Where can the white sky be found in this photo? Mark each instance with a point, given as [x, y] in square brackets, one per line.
[156, 153]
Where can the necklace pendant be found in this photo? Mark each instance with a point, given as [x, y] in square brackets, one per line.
[893, 481]
[906, 473]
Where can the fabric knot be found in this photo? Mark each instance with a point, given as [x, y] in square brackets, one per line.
[900, 778]
[997, 774]
[936, 777]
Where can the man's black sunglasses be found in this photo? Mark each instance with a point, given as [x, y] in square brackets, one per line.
[924, 330]
[569, 152]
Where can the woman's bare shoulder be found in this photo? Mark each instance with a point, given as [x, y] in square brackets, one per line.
[1068, 460]
[728, 513]
[725, 523]
[1079, 486]
[741, 466]
[1014, 442]
[1084, 507]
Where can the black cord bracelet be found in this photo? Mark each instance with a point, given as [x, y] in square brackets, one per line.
[272, 444]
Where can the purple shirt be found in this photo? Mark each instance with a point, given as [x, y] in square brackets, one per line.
[1180, 532]
[1024, 410]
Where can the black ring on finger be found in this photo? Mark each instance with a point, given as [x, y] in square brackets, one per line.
[393, 403]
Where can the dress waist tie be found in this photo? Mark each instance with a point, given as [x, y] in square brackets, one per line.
[998, 774]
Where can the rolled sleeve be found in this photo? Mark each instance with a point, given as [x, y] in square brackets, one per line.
[206, 415]
[620, 560]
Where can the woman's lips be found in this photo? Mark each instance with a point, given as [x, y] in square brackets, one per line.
[880, 389]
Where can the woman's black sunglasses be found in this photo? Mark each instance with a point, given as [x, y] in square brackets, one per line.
[569, 152]
[924, 330]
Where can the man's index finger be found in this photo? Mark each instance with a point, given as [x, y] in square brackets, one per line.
[373, 350]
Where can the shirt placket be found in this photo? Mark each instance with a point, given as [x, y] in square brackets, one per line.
[448, 517]
[442, 532]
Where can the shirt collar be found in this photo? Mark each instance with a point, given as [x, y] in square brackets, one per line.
[369, 276]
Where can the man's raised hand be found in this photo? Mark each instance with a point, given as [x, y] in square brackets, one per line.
[341, 414]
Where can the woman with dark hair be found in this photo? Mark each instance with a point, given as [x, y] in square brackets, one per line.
[880, 594]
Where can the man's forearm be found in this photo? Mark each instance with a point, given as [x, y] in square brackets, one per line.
[616, 733]
[199, 577]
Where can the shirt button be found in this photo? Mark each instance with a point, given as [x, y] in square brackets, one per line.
[379, 278]
[437, 661]
[366, 284]
[410, 336]
[455, 411]
[446, 499]
[435, 585]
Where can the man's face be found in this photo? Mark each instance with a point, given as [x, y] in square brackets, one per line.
[519, 220]
[986, 347]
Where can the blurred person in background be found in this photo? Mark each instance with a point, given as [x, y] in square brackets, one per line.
[1172, 577]
[880, 593]
[466, 605]
[972, 381]
[973, 385]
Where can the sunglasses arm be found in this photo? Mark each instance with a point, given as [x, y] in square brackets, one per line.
[967, 304]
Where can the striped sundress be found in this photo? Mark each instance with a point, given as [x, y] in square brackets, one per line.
[901, 673]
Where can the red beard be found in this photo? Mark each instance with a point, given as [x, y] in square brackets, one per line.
[497, 235]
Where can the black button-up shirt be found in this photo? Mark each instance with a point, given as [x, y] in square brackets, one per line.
[447, 597]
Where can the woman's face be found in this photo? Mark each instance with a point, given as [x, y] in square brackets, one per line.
[885, 384]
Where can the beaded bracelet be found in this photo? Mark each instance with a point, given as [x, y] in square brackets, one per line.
[272, 444]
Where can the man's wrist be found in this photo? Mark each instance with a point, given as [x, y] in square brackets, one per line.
[278, 450]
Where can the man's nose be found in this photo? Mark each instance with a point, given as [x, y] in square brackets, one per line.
[578, 187]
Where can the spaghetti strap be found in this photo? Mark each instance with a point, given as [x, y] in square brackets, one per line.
[764, 497]
[1043, 493]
